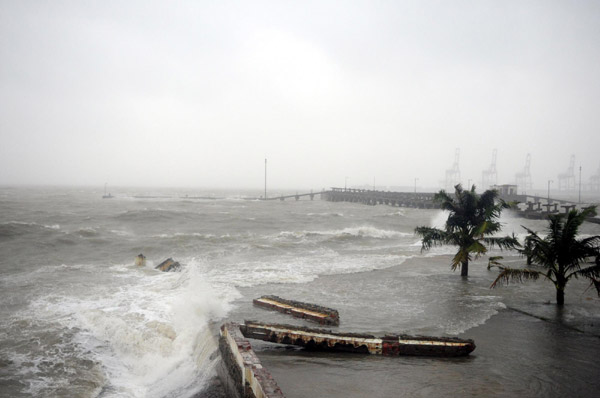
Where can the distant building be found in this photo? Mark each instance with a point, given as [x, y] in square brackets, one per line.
[505, 189]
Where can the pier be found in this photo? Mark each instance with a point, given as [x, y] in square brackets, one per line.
[296, 196]
[527, 206]
[418, 200]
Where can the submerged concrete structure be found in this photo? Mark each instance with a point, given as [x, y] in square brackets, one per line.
[168, 265]
[311, 312]
[326, 340]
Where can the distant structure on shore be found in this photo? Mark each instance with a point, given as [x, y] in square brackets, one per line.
[453, 173]
[523, 178]
[566, 180]
[489, 177]
[595, 181]
[106, 196]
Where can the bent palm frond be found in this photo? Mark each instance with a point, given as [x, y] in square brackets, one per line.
[516, 275]
[503, 242]
[494, 261]
[478, 248]
[593, 272]
[596, 284]
[431, 237]
[461, 256]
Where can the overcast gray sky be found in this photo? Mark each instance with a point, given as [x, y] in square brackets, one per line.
[198, 93]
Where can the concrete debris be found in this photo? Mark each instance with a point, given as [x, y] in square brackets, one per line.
[311, 312]
[240, 371]
[168, 265]
[326, 340]
[140, 260]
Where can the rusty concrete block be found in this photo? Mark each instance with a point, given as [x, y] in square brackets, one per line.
[326, 340]
[168, 265]
[312, 312]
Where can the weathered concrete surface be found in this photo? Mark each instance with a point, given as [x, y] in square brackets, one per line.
[140, 260]
[168, 265]
[241, 372]
[326, 340]
[311, 312]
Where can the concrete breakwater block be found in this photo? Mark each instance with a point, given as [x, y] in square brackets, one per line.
[298, 309]
[168, 265]
[326, 340]
[140, 260]
[240, 370]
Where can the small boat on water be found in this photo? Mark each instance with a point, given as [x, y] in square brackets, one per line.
[106, 196]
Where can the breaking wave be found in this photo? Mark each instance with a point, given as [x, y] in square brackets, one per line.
[352, 232]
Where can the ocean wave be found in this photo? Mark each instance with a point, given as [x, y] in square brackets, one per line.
[144, 331]
[87, 232]
[325, 214]
[154, 214]
[299, 269]
[397, 213]
[198, 236]
[18, 228]
[351, 232]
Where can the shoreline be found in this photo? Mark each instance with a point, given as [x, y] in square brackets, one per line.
[520, 322]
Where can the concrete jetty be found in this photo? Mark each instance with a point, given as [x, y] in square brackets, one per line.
[311, 312]
[526, 206]
[240, 370]
[326, 340]
[417, 200]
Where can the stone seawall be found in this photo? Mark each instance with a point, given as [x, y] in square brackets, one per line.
[240, 371]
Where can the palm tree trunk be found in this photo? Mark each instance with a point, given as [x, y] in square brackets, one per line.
[560, 296]
[464, 268]
[561, 283]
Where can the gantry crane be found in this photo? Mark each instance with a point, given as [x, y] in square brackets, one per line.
[453, 174]
[489, 177]
[523, 178]
[566, 181]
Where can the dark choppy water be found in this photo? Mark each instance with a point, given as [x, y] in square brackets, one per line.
[78, 319]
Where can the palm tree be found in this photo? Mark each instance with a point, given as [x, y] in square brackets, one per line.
[527, 249]
[470, 224]
[561, 254]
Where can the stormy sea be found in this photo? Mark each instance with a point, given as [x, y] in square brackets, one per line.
[79, 319]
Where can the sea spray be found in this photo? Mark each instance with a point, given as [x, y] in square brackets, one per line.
[149, 335]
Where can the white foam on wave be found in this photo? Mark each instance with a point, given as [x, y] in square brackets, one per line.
[32, 224]
[150, 333]
[438, 220]
[480, 309]
[325, 214]
[365, 231]
[294, 269]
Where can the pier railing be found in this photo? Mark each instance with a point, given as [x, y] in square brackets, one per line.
[420, 200]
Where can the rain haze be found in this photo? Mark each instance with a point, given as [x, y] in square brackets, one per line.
[198, 93]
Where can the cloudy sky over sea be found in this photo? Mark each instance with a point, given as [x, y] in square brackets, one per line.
[198, 93]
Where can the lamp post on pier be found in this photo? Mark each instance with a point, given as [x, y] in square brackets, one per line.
[580, 184]
[549, 181]
[416, 179]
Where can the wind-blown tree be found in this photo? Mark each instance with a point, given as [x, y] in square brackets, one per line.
[527, 250]
[471, 224]
[561, 253]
